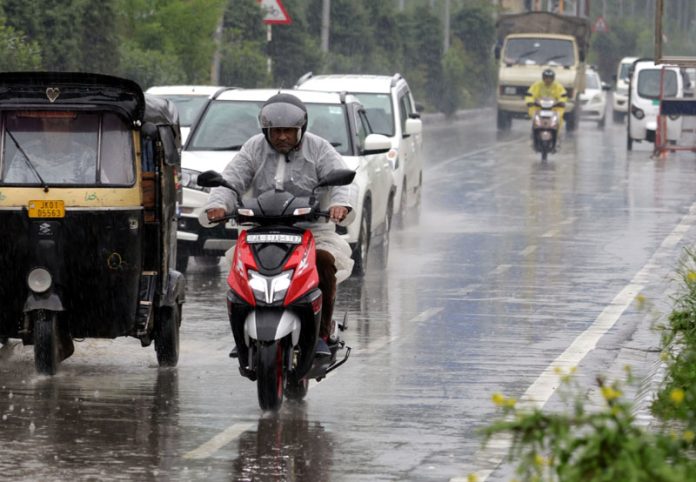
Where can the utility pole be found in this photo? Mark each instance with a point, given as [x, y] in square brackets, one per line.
[446, 43]
[217, 38]
[325, 24]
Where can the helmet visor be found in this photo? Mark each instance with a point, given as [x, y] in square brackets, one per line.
[282, 114]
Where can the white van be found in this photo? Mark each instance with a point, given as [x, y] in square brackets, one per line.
[644, 100]
[620, 98]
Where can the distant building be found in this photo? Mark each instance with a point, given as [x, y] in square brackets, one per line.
[569, 7]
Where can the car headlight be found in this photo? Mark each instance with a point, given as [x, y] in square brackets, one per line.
[189, 179]
[39, 280]
[622, 91]
[637, 112]
[597, 99]
[269, 289]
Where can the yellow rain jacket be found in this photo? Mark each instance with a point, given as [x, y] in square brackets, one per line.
[539, 90]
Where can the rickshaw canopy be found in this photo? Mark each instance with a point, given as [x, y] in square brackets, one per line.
[74, 90]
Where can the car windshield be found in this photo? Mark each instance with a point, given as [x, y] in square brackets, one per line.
[227, 124]
[61, 147]
[592, 81]
[378, 108]
[623, 73]
[535, 51]
[649, 83]
[188, 106]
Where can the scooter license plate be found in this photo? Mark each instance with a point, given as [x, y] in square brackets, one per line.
[47, 209]
[546, 113]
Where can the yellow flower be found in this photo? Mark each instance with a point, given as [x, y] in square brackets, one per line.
[498, 399]
[510, 403]
[610, 394]
[677, 396]
[558, 370]
[539, 460]
[640, 299]
[472, 478]
[691, 276]
[689, 436]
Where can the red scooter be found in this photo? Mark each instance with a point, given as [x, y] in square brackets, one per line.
[274, 302]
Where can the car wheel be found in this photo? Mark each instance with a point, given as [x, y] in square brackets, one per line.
[504, 120]
[383, 258]
[363, 245]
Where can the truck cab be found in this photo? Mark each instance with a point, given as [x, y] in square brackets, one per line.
[529, 43]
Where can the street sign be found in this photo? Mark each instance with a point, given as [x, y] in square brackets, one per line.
[275, 13]
[600, 25]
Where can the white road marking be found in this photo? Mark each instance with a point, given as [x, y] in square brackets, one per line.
[528, 250]
[219, 441]
[466, 155]
[546, 384]
[550, 234]
[502, 268]
[386, 340]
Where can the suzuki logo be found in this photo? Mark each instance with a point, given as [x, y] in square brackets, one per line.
[45, 229]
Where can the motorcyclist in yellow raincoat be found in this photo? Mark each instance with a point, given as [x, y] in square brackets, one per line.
[547, 87]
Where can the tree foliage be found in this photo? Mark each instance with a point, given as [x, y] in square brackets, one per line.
[16, 52]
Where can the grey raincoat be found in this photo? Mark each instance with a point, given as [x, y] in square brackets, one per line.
[258, 168]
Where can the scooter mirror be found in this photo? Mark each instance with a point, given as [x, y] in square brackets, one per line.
[210, 179]
[337, 177]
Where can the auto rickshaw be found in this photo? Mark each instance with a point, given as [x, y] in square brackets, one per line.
[88, 193]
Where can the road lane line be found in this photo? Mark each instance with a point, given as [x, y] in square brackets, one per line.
[500, 269]
[466, 155]
[550, 234]
[383, 341]
[528, 250]
[219, 441]
[541, 390]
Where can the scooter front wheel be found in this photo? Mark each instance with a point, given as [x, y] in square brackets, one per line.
[271, 375]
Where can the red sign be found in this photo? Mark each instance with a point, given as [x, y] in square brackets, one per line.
[600, 25]
[275, 13]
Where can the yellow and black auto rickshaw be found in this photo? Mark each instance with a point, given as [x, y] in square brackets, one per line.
[88, 192]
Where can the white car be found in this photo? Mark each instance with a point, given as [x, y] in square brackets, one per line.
[189, 100]
[391, 111]
[231, 118]
[620, 98]
[648, 82]
[593, 102]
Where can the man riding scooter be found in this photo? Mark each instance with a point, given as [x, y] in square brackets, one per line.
[547, 87]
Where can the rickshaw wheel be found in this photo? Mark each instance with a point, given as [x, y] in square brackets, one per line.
[45, 341]
[167, 335]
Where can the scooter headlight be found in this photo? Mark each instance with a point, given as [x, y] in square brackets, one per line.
[39, 280]
[269, 289]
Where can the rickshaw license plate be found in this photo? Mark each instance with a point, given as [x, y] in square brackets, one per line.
[47, 209]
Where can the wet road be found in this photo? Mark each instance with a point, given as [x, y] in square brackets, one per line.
[515, 267]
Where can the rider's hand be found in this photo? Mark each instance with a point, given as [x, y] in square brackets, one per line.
[338, 213]
[215, 214]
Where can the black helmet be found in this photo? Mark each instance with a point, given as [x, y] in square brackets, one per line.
[283, 110]
[548, 74]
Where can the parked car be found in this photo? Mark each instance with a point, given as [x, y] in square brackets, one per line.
[620, 97]
[189, 100]
[231, 118]
[391, 111]
[593, 102]
[644, 98]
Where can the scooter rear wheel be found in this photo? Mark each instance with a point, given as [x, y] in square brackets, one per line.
[46, 357]
[296, 389]
[271, 373]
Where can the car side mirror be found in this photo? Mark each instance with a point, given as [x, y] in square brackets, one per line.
[413, 126]
[420, 108]
[376, 144]
[606, 86]
[210, 179]
[496, 52]
[337, 177]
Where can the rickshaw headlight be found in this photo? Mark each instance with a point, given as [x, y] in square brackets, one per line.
[189, 179]
[39, 280]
